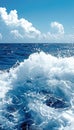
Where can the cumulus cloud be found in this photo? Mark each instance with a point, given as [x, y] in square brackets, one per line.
[9, 19]
[59, 27]
[15, 29]
[56, 34]
[16, 34]
[20, 27]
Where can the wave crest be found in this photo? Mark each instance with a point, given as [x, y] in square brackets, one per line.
[31, 89]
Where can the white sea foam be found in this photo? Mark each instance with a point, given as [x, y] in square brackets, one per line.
[39, 73]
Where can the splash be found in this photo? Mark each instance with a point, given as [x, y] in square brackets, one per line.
[37, 94]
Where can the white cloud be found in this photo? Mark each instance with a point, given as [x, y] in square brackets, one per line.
[19, 27]
[59, 27]
[56, 34]
[16, 34]
[52, 37]
[13, 29]
[9, 19]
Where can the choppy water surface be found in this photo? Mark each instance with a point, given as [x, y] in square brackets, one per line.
[37, 86]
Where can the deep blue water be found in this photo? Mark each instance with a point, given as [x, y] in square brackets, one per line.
[11, 53]
[37, 86]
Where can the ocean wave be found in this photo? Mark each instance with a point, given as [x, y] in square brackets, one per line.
[37, 94]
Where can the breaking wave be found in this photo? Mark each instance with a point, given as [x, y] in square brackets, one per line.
[38, 94]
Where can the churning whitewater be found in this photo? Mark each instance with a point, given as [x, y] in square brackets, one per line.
[38, 94]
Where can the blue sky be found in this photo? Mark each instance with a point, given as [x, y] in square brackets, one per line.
[37, 21]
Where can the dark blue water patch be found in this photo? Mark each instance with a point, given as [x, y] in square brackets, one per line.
[26, 124]
[57, 103]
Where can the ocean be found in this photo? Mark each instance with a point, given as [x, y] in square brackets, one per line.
[37, 86]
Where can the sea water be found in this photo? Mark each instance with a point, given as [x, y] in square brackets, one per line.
[37, 86]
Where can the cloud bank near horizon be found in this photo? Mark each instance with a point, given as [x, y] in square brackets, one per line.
[13, 29]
